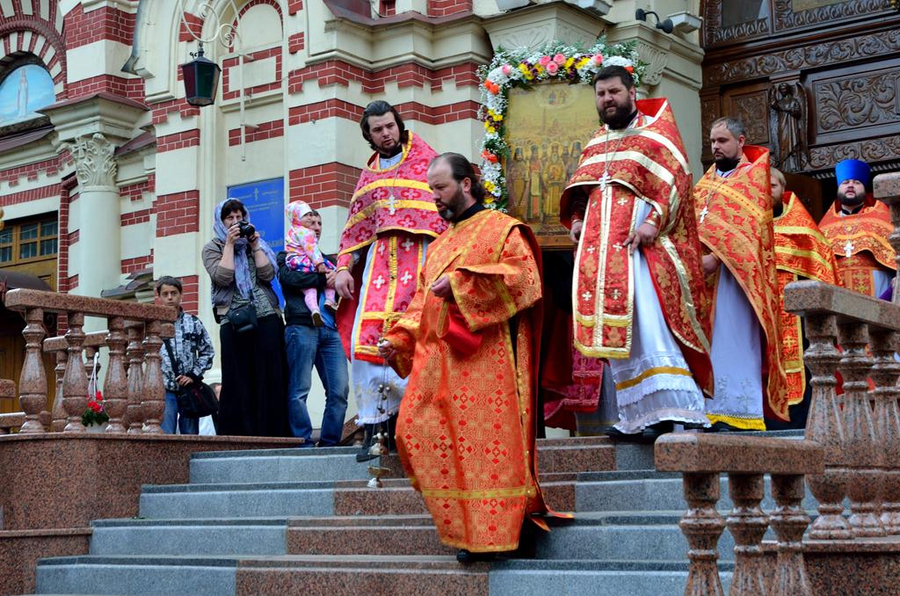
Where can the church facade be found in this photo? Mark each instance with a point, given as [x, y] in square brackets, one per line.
[108, 177]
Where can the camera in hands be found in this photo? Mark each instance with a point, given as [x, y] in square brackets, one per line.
[246, 230]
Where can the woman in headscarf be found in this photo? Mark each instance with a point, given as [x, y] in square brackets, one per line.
[242, 266]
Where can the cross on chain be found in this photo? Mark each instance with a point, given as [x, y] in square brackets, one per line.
[604, 180]
[848, 249]
[379, 282]
[704, 213]
[392, 201]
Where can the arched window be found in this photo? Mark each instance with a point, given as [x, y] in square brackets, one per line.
[23, 91]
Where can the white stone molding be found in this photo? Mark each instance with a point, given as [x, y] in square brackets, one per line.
[534, 26]
[656, 58]
[95, 164]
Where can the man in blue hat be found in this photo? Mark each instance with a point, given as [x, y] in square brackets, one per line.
[857, 227]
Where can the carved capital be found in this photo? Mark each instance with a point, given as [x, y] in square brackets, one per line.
[656, 59]
[95, 164]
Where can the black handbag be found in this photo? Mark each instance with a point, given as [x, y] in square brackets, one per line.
[197, 399]
[243, 318]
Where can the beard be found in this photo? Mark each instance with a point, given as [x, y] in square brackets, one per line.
[726, 164]
[854, 201]
[454, 206]
[621, 118]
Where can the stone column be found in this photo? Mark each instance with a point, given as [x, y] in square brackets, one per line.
[98, 215]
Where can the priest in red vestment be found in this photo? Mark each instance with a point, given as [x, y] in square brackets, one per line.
[857, 228]
[734, 217]
[469, 344]
[639, 295]
[391, 221]
[801, 252]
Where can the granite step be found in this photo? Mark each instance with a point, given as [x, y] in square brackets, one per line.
[571, 455]
[235, 537]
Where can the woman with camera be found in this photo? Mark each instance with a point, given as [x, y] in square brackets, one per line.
[242, 266]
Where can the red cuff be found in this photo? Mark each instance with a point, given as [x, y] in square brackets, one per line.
[457, 334]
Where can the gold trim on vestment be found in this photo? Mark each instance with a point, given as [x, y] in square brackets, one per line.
[653, 167]
[799, 230]
[386, 204]
[382, 231]
[811, 254]
[652, 372]
[690, 307]
[487, 493]
[722, 188]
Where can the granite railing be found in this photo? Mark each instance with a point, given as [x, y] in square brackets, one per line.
[701, 458]
[93, 343]
[139, 392]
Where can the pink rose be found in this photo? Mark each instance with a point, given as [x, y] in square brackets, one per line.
[598, 59]
[545, 60]
[559, 59]
[553, 68]
[506, 69]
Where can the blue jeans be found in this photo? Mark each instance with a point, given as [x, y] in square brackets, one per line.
[187, 426]
[319, 346]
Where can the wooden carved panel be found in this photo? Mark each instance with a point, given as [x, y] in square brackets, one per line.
[822, 12]
[881, 43]
[856, 102]
[753, 110]
[717, 34]
[872, 151]
[709, 111]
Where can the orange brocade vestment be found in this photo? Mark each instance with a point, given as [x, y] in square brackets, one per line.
[801, 252]
[860, 244]
[466, 428]
[735, 223]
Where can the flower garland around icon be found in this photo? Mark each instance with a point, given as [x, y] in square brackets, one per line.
[555, 61]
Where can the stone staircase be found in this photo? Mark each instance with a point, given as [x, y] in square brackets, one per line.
[279, 522]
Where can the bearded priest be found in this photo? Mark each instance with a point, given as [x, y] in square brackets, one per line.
[734, 206]
[857, 228]
[391, 221]
[639, 298]
[469, 344]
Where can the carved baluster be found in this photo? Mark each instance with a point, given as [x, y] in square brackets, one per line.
[59, 411]
[75, 382]
[153, 403]
[885, 374]
[789, 521]
[134, 413]
[115, 389]
[33, 380]
[864, 479]
[747, 524]
[89, 352]
[702, 526]
[824, 425]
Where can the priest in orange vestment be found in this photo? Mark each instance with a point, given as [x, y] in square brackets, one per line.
[857, 228]
[639, 297]
[734, 215]
[469, 344]
[801, 252]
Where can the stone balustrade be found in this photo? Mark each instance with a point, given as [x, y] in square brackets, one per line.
[93, 342]
[135, 333]
[701, 458]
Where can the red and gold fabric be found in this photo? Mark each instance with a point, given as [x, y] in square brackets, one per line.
[735, 223]
[643, 163]
[860, 243]
[466, 428]
[392, 212]
[801, 252]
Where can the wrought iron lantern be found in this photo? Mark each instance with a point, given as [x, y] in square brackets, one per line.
[201, 79]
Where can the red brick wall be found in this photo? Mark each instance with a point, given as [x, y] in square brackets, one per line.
[189, 293]
[443, 8]
[231, 90]
[266, 130]
[180, 140]
[294, 6]
[296, 43]
[105, 23]
[137, 264]
[324, 185]
[177, 213]
[338, 72]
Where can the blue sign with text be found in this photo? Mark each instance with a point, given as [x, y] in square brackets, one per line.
[264, 201]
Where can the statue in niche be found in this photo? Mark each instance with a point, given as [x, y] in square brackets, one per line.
[788, 124]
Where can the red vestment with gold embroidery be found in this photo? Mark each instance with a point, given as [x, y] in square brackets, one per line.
[860, 244]
[619, 169]
[737, 227]
[392, 212]
[466, 428]
[801, 252]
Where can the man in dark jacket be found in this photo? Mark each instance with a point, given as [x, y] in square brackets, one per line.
[307, 345]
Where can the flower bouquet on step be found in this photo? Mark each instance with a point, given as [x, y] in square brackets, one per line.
[95, 414]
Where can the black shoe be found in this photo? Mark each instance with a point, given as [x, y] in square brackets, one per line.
[616, 435]
[699, 426]
[720, 427]
[364, 454]
[467, 557]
